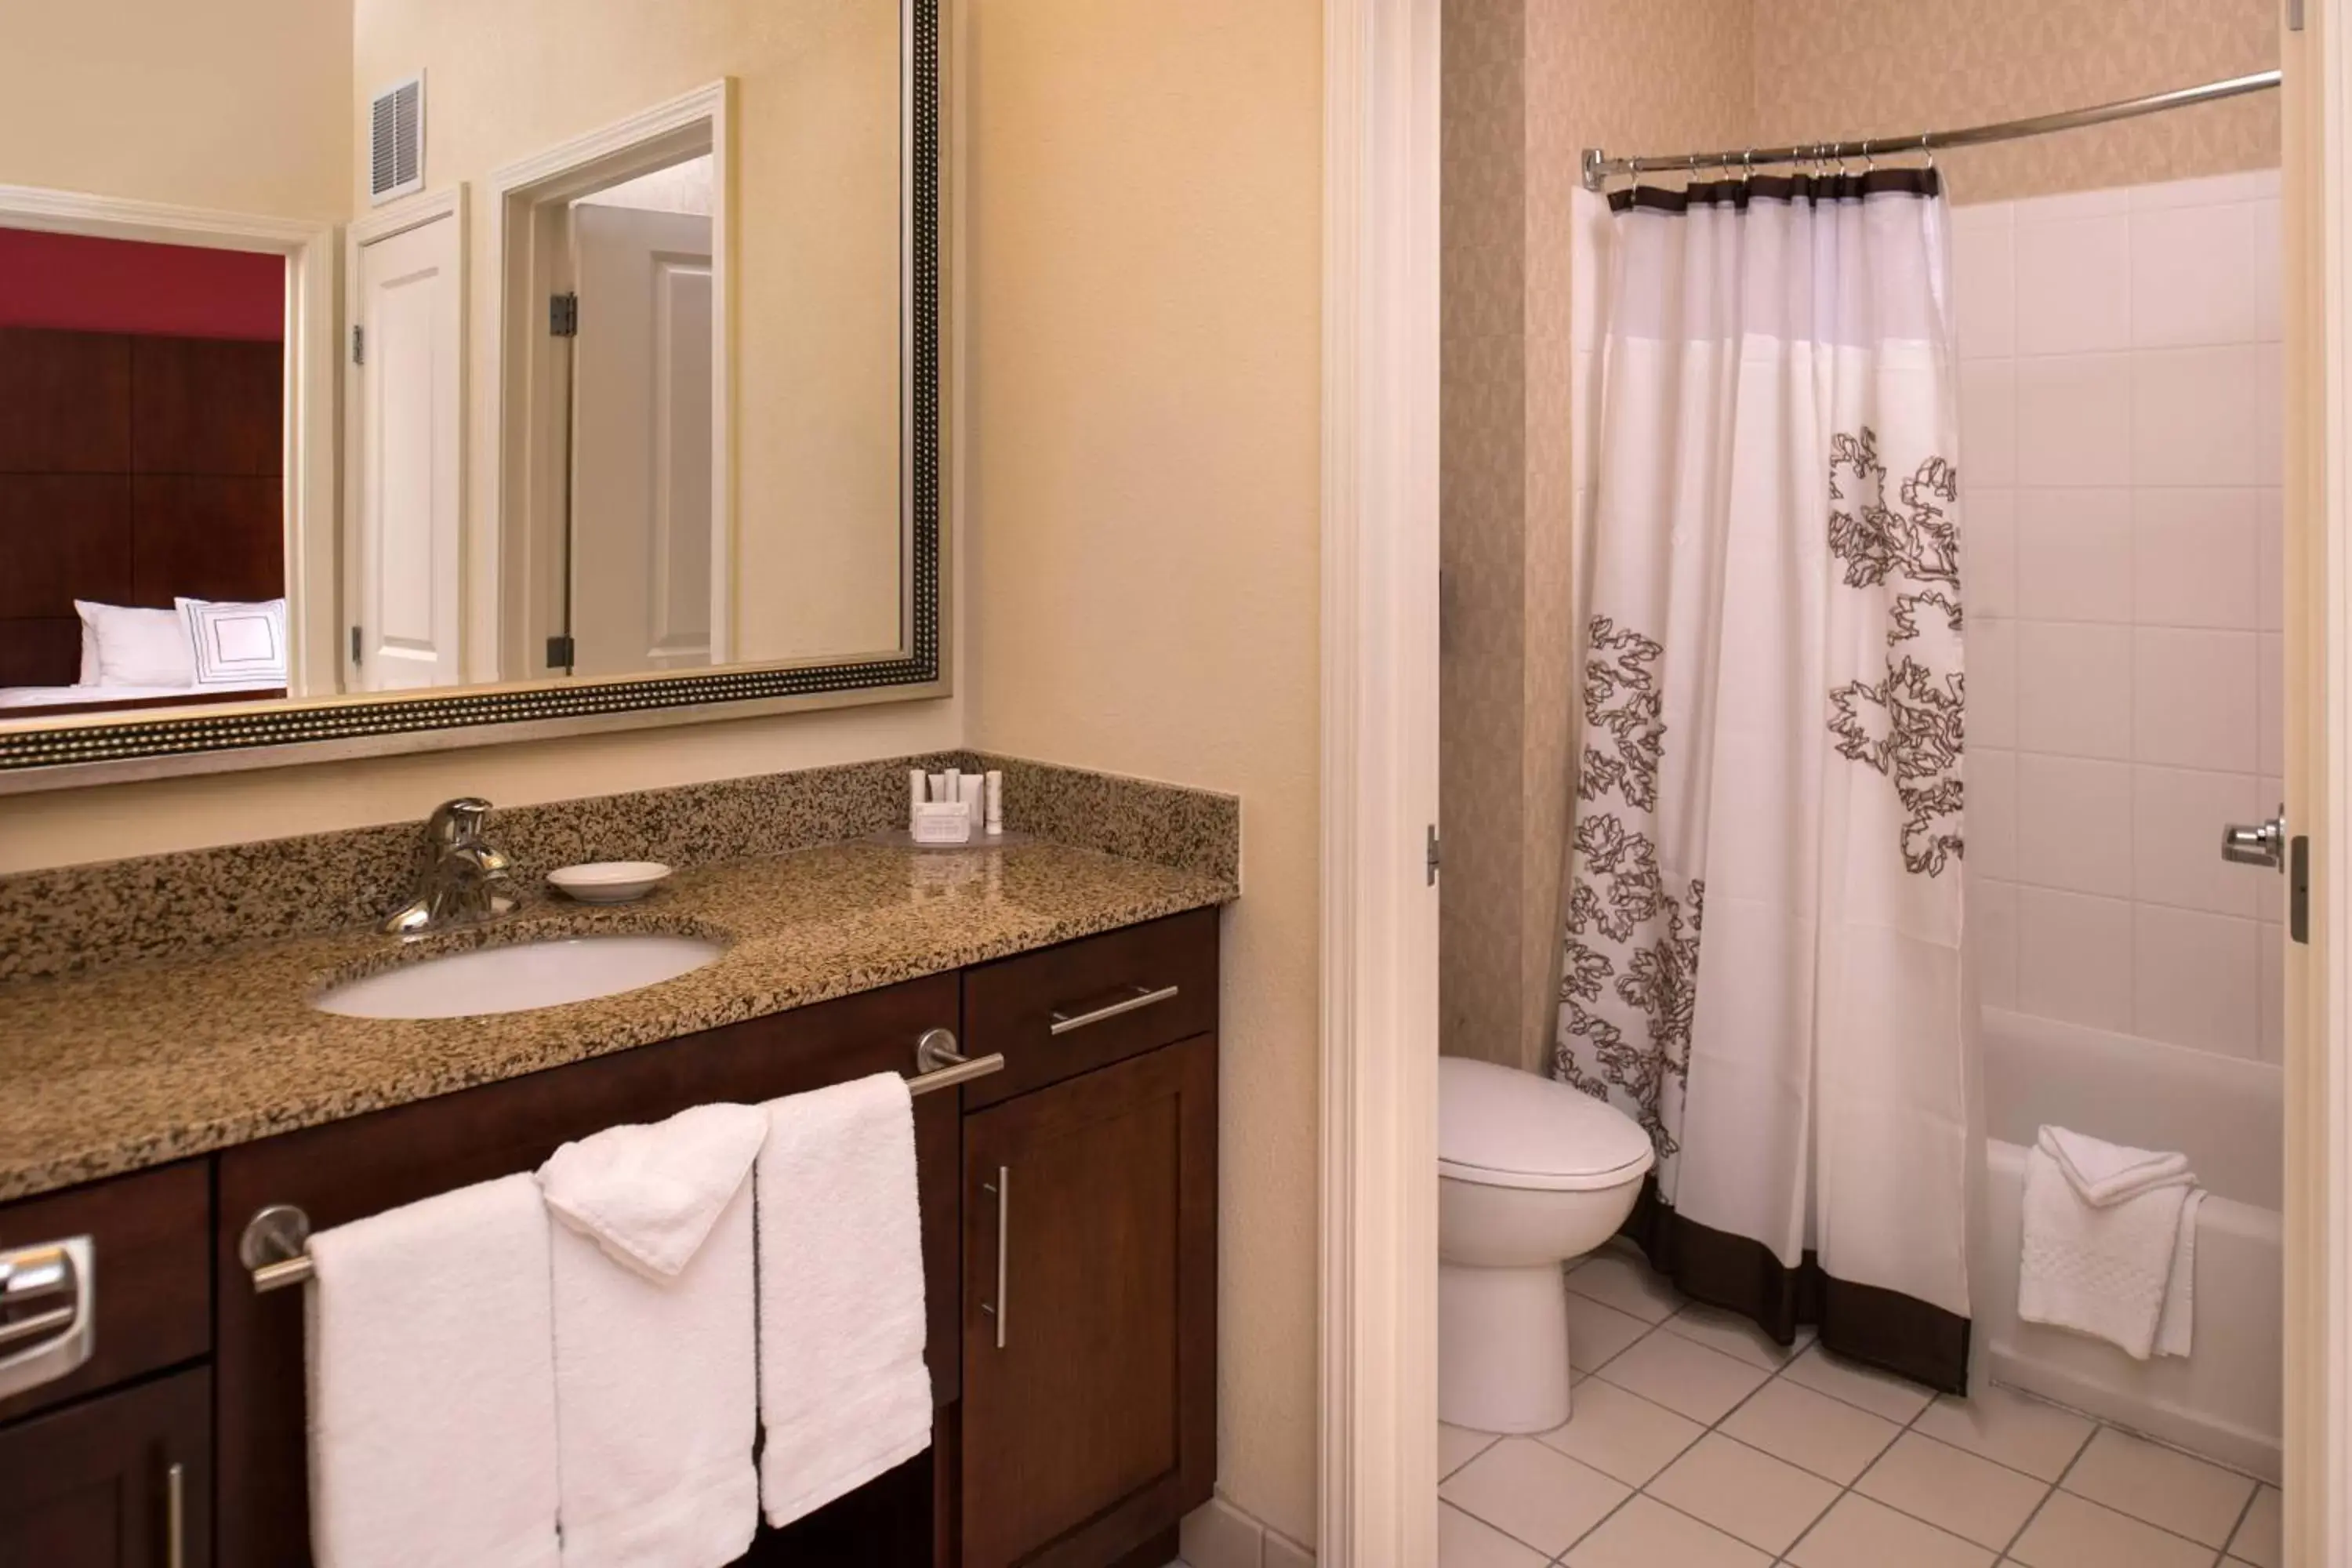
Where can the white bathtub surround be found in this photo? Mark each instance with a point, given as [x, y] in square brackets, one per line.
[2121, 1268]
[844, 1393]
[2119, 412]
[1771, 750]
[656, 1369]
[2224, 1113]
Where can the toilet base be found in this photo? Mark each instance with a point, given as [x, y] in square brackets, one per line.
[1502, 1347]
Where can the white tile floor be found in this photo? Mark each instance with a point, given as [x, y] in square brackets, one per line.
[1698, 1443]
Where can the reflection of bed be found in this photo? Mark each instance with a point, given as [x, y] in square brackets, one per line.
[132, 469]
[32, 702]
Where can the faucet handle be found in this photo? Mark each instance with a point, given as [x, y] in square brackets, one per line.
[456, 821]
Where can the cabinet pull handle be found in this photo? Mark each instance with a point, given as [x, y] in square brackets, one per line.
[1144, 996]
[175, 1516]
[1002, 1188]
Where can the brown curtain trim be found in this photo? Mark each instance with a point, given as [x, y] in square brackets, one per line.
[1736, 192]
[1864, 1322]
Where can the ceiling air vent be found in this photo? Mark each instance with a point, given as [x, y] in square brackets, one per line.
[396, 141]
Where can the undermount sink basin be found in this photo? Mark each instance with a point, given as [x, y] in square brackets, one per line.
[519, 976]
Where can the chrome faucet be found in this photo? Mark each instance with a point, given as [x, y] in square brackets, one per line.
[461, 881]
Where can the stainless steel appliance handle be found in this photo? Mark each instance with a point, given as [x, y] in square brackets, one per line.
[1145, 996]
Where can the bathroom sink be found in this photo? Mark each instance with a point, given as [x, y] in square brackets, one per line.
[519, 976]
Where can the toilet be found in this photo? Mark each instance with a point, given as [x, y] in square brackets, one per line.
[1532, 1173]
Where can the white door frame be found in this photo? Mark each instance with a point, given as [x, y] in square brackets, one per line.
[2318, 1224]
[309, 247]
[413, 212]
[527, 201]
[1379, 1221]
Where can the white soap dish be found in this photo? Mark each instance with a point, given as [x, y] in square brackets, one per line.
[609, 882]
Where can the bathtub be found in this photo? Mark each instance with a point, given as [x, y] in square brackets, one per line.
[2225, 1114]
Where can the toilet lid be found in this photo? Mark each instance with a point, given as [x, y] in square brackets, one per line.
[1509, 1129]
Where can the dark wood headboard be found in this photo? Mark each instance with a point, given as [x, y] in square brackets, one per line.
[131, 469]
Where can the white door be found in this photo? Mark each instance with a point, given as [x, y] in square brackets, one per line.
[640, 513]
[404, 627]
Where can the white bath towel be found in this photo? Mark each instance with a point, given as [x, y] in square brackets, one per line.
[655, 1366]
[2106, 1271]
[844, 1393]
[2105, 1174]
[2174, 1328]
[432, 1386]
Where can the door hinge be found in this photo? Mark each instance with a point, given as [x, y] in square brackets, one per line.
[558, 652]
[2298, 890]
[359, 345]
[1431, 860]
[563, 315]
[355, 645]
[2294, 15]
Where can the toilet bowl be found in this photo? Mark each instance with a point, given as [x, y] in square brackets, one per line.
[1531, 1174]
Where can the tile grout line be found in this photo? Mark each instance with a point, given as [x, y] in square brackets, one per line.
[2052, 1490]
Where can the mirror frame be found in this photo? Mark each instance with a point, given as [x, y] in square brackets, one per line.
[103, 749]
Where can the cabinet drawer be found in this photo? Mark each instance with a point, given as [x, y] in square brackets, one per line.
[1085, 1003]
[151, 1273]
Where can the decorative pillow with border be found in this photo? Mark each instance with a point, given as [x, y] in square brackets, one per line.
[237, 645]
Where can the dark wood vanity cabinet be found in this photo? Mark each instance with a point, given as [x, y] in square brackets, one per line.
[1069, 1237]
[123, 1480]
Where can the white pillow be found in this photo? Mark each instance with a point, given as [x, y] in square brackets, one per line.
[88, 676]
[237, 645]
[139, 647]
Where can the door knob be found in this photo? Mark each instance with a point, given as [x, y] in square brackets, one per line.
[2257, 843]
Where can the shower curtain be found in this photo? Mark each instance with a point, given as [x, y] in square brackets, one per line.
[1762, 961]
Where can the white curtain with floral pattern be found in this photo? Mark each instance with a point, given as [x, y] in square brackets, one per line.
[1763, 955]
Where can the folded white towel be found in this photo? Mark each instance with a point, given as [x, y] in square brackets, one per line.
[432, 1386]
[2173, 1329]
[2105, 1172]
[654, 1364]
[2099, 1271]
[844, 1393]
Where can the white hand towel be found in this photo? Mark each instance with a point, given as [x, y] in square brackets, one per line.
[2174, 1328]
[844, 1393]
[432, 1386]
[2098, 1271]
[655, 1367]
[2105, 1174]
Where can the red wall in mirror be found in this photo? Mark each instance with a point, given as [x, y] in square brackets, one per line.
[76, 283]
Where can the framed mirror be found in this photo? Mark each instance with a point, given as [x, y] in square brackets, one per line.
[610, 395]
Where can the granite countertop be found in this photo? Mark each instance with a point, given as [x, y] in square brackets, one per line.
[133, 1066]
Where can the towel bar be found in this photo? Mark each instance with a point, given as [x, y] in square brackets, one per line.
[274, 1246]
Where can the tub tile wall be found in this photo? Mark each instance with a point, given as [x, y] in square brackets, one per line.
[2120, 364]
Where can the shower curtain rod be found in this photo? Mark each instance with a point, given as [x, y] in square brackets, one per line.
[1599, 166]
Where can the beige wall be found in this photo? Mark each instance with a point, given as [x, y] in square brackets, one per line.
[817, 237]
[1528, 85]
[1856, 67]
[241, 105]
[1144, 297]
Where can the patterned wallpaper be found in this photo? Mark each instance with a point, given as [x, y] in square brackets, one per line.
[1528, 84]
[1854, 68]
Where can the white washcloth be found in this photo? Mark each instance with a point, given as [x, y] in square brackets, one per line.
[655, 1365]
[2105, 1272]
[432, 1385]
[844, 1393]
[2105, 1174]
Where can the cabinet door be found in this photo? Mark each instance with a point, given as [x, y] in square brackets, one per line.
[1089, 1414]
[120, 1481]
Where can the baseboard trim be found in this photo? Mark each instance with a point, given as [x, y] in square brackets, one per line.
[1219, 1535]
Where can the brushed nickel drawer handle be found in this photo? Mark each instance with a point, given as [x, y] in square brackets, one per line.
[175, 1516]
[1144, 997]
[1002, 1188]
